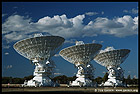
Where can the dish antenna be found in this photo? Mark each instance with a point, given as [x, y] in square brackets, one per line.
[39, 50]
[111, 59]
[80, 55]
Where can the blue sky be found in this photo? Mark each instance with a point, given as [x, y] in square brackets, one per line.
[108, 23]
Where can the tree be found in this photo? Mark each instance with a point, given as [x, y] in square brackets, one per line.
[128, 80]
[99, 80]
[6, 80]
[123, 80]
[105, 77]
[28, 77]
[17, 80]
[134, 81]
[62, 79]
[71, 78]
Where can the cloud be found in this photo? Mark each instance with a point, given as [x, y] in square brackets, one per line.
[14, 36]
[56, 21]
[101, 41]
[16, 23]
[93, 41]
[57, 73]
[129, 71]
[102, 12]
[18, 27]
[132, 11]
[56, 55]
[9, 66]
[6, 53]
[6, 46]
[71, 41]
[3, 15]
[91, 13]
[119, 27]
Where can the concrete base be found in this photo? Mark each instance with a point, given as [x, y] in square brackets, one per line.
[115, 76]
[36, 83]
[84, 74]
[82, 82]
[113, 83]
[43, 73]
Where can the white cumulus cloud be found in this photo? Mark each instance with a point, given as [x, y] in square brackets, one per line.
[16, 23]
[57, 73]
[9, 66]
[56, 55]
[93, 41]
[5, 46]
[102, 12]
[119, 27]
[18, 27]
[70, 41]
[6, 53]
[132, 11]
[3, 15]
[91, 13]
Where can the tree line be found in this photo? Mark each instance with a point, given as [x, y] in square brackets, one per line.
[15, 80]
[62, 79]
[128, 80]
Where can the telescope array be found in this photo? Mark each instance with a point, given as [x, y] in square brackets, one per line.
[39, 49]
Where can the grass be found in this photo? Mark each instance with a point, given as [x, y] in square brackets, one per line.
[70, 89]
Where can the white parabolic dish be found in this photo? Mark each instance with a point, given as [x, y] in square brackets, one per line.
[112, 58]
[83, 53]
[41, 47]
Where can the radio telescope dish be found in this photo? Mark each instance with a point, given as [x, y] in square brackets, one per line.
[111, 59]
[80, 55]
[39, 50]
[39, 47]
